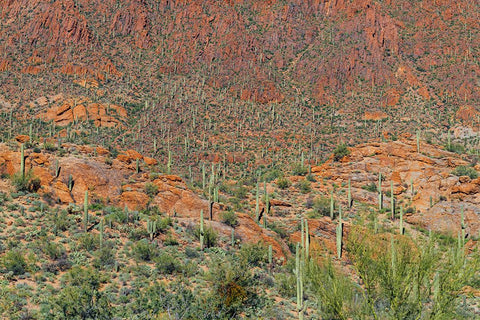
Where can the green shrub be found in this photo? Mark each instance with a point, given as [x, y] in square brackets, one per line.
[465, 171]
[299, 170]
[151, 189]
[340, 151]
[229, 218]
[304, 186]
[283, 183]
[15, 262]
[25, 182]
[104, 257]
[167, 264]
[321, 207]
[372, 187]
[254, 254]
[144, 251]
[88, 241]
[455, 147]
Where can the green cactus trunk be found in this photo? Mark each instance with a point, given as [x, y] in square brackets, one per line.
[201, 230]
[380, 196]
[339, 234]
[392, 201]
[350, 203]
[257, 203]
[152, 229]
[332, 205]
[22, 160]
[85, 211]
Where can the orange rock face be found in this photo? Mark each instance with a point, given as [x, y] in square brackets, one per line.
[102, 115]
[437, 194]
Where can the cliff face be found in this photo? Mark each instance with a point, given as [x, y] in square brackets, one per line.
[263, 51]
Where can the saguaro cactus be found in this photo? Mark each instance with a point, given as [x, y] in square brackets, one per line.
[299, 275]
[380, 196]
[402, 231]
[350, 202]
[257, 202]
[151, 228]
[201, 230]
[332, 205]
[392, 201]
[85, 211]
[101, 233]
[22, 160]
[339, 231]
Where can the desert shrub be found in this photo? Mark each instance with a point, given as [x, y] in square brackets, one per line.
[372, 187]
[88, 241]
[408, 280]
[465, 171]
[53, 250]
[233, 290]
[304, 186]
[191, 253]
[254, 254]
[229, 218]
[167, 264]
[144, 251]
[271, 175]
[338, 295]
[151, 189]
[80, 298]
[104, 257]
[455, 147]
[26, 182]
[340, 151]
[240, 192]
[299, 169]
[283, 183]
[321, 207]
[14, 262]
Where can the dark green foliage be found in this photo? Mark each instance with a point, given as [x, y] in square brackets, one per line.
[88, 241]
[144, 251]
[299, 170]
[254, 254]
[321, 207]
[151, 189]
[455, 147]
[304, 186]
[80, 297]
[229, 218]
[14, 261]
[104, 257]
[283, 183]
[372, 187]
[340, 151]
[167, 264]
[233, 289]
[465, 171]
[25, 182]
[340, 297]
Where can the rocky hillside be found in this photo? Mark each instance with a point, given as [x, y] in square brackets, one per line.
[81, 210]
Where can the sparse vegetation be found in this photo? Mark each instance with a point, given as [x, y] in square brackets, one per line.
[465, 171]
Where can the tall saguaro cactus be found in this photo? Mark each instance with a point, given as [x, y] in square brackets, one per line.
[299, 275]
[380, 196]
[22, 160]
[339, 234]
[85, 211]
[201, 230]
[350, 202]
